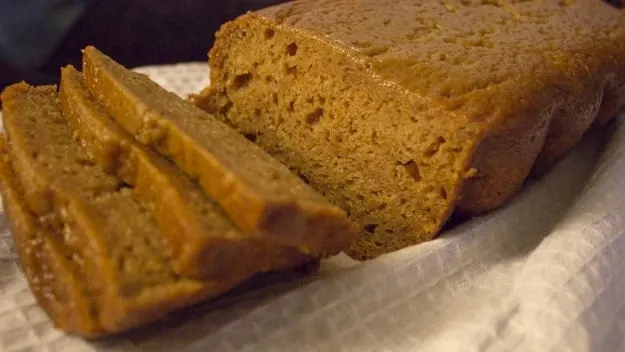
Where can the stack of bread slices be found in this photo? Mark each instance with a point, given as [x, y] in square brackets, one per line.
[127, 202]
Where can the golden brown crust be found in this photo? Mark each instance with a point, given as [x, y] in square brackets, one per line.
[502, 162]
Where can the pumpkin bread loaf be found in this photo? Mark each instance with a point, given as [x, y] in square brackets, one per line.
[402, 111]
[204, 243]
[261, 196]
[111, 236]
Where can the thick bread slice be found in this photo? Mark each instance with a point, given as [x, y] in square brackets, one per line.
[402, 111]
[259, 194]
[100, 217]
[54, 273]
[204, 243]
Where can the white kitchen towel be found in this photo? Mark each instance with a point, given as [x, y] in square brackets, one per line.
[544, 273]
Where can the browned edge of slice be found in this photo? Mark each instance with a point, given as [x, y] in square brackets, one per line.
[206, 149]
[53, 274]
[203, 241]
[124, 304]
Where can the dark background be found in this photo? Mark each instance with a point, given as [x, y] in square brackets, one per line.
[139, 32]
[143, 32]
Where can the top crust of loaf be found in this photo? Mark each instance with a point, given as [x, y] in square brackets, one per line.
[481, 60]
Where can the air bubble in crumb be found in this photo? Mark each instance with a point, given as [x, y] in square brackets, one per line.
[314, 116]
[241, 81]
[291, 49]
[413, 170]
[250, 136]
[371, 227]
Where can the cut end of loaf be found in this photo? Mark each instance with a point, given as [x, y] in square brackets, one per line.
[373, 151]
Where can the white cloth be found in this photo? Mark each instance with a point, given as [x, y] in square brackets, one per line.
[545, 273]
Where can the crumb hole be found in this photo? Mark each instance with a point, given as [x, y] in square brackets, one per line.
[304, 178]
[371, 227]
[291, 107]
[252, 137]
[274, 98]
[257, 112]
[434, 147]
[314, 116]
[241, 81]
[443, 193]
[413, 170]
[291, 49]
[269, 33]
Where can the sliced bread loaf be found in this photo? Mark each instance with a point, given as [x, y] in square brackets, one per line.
[102, 220]
[261, 196]
[204, 242]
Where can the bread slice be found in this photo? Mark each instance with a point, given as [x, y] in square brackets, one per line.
[54, 273]
[101, 219]
[204, 243]
[402, 111]
[261, 196]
